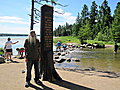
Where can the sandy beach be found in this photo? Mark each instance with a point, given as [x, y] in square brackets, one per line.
[12, 78]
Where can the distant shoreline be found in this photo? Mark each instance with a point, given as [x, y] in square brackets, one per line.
[15, 34]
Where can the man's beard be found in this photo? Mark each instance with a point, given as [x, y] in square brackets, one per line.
[32, 40]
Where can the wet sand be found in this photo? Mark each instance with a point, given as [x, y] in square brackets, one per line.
[12, 78]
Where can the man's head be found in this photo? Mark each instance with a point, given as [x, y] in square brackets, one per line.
[32, 33]
[32, 37]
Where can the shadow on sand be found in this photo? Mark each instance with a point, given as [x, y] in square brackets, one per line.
[43, 87]
[15, 61]
[71, 86]
[62, 83]
[11, 61]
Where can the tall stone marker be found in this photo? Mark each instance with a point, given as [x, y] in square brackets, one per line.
[47, 65]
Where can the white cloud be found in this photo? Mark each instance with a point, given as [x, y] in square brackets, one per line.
[61, 19]
[17, 30]
[11, 19]
[8, 17]
[8, 25]
[23, 26]
[14, 30]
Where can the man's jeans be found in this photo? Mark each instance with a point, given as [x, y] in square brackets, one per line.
[29, 68]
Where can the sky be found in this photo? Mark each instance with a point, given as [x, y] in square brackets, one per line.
[15, 19]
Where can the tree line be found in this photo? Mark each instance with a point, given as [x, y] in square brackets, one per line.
[95, 24]
[7, 34]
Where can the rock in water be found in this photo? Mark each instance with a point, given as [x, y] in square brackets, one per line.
[61, 60]
[68, 59]
[76, 59]
[56, 57]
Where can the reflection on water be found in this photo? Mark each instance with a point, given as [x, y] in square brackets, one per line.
[100, 59]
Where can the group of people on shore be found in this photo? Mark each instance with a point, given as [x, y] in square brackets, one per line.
[32, 55]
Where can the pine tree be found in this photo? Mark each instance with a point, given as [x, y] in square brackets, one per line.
[77, 25]
[93, 20]
[84, 15]
[105, 19]
[78, 19]
[84, 25]
[116, 23]
[84, 32]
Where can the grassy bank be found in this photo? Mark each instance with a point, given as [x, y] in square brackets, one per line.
[99, 42]
[71, 39]
[66, 39]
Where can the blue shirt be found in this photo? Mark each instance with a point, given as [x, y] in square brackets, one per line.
[58, 44]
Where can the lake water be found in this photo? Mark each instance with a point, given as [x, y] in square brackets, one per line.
[100, 59]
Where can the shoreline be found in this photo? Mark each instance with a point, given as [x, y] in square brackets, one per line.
[90, 72]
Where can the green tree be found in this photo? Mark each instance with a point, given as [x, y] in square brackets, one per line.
[65, 30]
[116, 23]
[84, 15]
[74, 32]
[57, 31]
[76, 26]
[105, 19]
[84, 32]
[93, 20]
[84, 29]
[78, 19]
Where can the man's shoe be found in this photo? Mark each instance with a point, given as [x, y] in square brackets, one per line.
[27, 84]
[38, 82]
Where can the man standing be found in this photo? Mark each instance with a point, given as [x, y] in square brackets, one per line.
[32, 52]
